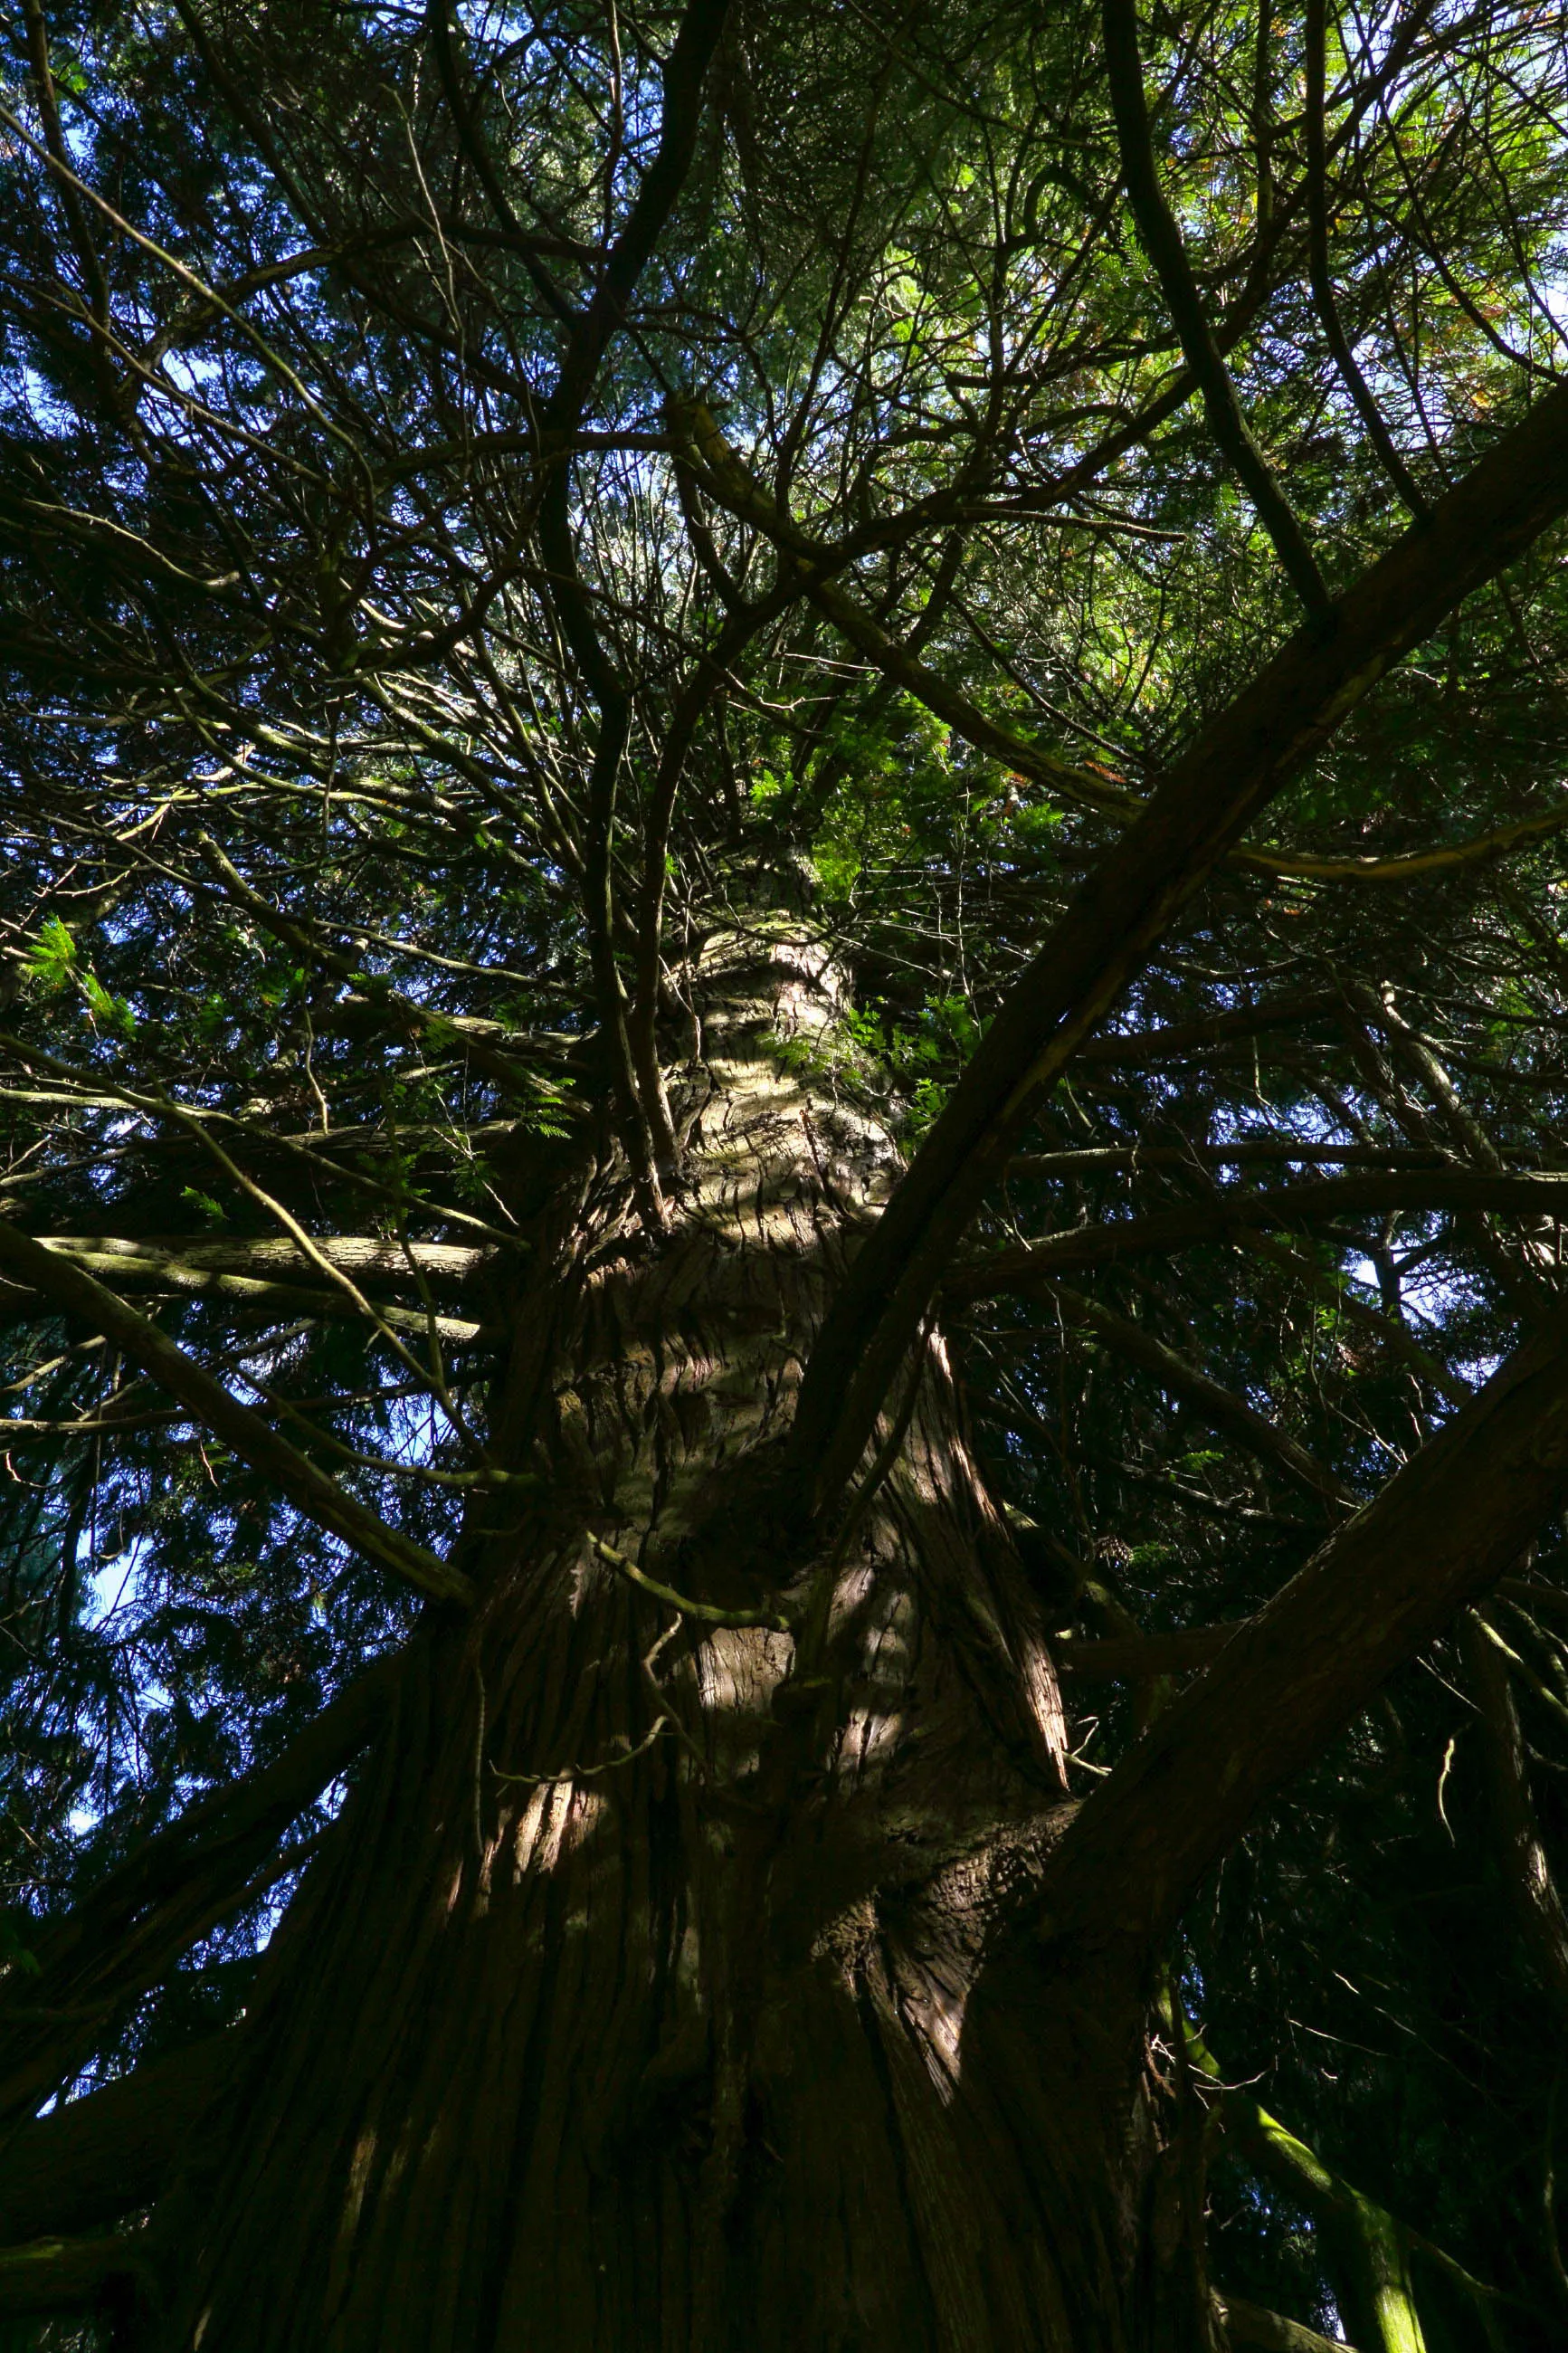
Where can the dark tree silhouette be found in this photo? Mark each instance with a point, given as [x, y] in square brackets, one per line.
[783, 1111]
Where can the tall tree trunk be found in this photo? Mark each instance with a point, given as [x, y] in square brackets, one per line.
[662, 1987]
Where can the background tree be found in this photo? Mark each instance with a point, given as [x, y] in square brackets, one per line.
[784, 1110]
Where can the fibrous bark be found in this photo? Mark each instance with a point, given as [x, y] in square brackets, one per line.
[702, 1902]
[643, 1962]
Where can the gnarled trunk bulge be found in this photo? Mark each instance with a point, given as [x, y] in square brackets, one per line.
[647, 1995]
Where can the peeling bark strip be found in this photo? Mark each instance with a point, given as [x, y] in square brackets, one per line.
[1204, 805]
[644, 1955]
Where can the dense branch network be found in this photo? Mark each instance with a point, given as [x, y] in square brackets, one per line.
[475, 526]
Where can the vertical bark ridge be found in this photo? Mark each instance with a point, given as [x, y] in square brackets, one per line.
[586, 2060]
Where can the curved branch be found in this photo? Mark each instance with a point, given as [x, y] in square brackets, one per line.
[643, 1133]
[1238, 764]
[1161, 240]
[1369, 2251]
[59, 155]
[1441, 858]
[471, 140]
[698, 446]
[684, 72]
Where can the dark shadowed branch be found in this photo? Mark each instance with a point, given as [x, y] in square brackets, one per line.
[1442, 1531]
[1238, 764]
[309, 1490]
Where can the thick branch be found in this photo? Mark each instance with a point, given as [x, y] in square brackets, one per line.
[1210, 1031]
[1369, 2251]
[699, 444]
[1140, 1657]
[1133, 1657]
[1442, 1531]
[126, 1932]
[699, 448]
[1370, 2248]
[167, 1273]
[1219, 1407]
[267, 1254]
[89, 2162]
[472, 141]
[1270, 2332]
[1267, 734]
[639, 1133]
[71, 2274]
[680, 119]
[1229, 1213]
[309, 1491]
[684, 75]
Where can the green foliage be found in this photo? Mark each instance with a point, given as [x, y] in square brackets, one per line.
[108, 1012]
[51, 956]
[278, 590]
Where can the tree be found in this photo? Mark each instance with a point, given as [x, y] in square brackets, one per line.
[782, 1206]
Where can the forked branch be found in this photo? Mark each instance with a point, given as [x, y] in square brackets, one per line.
[1240, 762]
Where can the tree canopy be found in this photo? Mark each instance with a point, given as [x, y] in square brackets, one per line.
[1067, 507]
